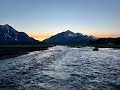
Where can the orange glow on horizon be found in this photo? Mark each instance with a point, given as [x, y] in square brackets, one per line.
[40, 36]
[47, 35]
[107, 35]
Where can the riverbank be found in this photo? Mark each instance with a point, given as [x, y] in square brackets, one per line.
[10, 51]
[114, 46]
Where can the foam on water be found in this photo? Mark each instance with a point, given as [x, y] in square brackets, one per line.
[62, 68]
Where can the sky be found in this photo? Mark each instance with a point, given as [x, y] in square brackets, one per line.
[44, 18]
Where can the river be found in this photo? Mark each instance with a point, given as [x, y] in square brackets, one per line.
[62, 68]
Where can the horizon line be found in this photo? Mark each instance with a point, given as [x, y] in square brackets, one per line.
[43, 36]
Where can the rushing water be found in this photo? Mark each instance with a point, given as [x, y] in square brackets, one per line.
[62, 68]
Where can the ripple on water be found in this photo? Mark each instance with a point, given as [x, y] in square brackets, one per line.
[62, 68]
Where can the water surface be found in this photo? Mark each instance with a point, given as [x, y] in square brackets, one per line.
[62, 68]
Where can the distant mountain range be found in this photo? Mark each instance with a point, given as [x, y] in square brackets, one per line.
[69, 37]
[9, 35]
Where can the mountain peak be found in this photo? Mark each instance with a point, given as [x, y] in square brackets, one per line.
[68, 37]
[68, 34]
[6, 25]
[9, 35]
[68, 31]
[93, 37]
[8, 28]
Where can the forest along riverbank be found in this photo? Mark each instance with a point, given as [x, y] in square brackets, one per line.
[62, 68]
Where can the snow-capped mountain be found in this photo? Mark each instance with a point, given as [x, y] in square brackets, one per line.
[9, 35]
[92, 37]
[69, 37]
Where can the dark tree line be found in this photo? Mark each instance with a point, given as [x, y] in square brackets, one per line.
[106, 41]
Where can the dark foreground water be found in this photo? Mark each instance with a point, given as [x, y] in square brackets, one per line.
[62, 68]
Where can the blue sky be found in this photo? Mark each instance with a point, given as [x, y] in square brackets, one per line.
[53, 16]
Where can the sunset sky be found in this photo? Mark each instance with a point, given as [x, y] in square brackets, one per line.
[44, 18]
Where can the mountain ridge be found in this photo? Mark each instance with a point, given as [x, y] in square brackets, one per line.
[9, 35]
[69, 37]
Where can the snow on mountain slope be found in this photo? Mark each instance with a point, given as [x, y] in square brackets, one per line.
[9, 35]
[69, 37]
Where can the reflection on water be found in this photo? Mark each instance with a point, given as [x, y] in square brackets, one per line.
[62, 68]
